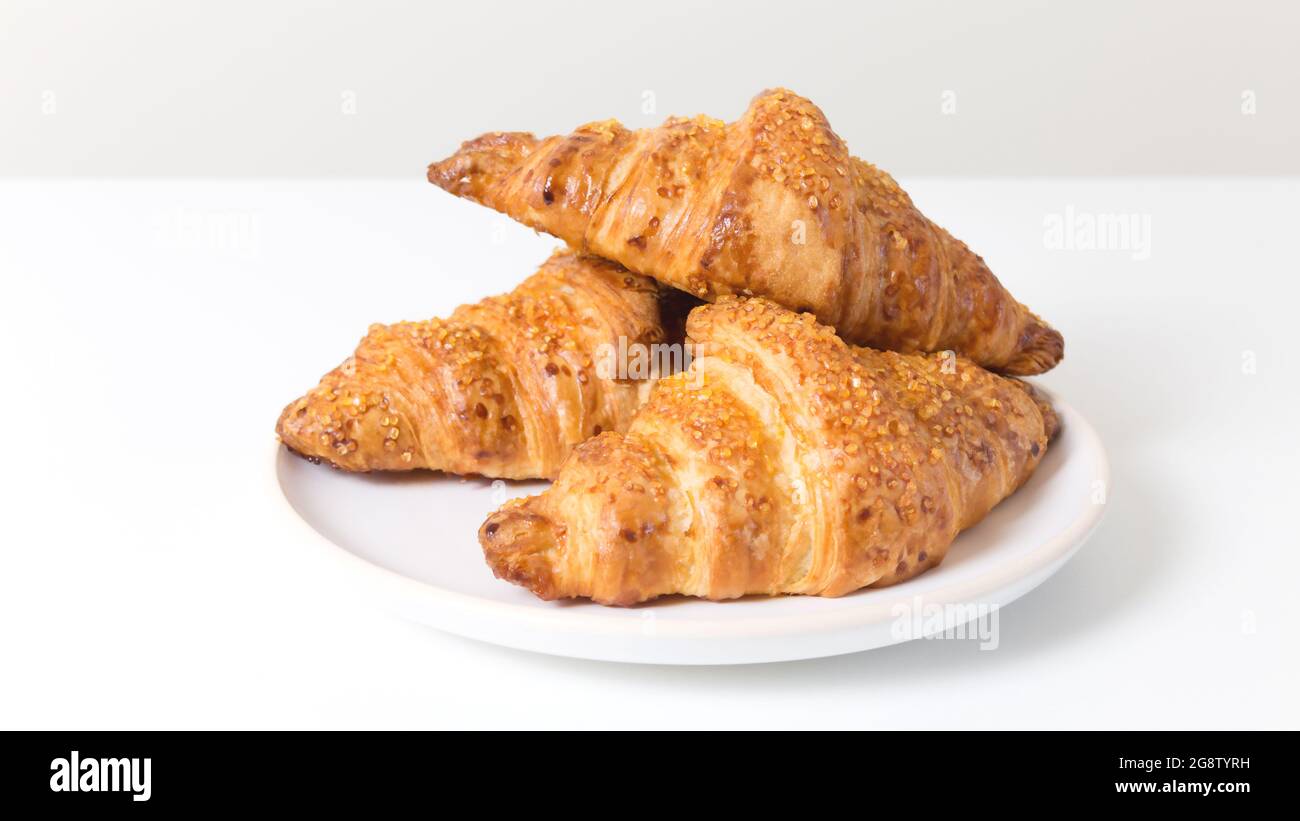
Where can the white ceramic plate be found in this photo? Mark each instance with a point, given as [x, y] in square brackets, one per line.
[412, 541]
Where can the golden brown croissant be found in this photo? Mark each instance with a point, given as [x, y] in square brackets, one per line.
[783, 461]
[773, 205]
[505, 387]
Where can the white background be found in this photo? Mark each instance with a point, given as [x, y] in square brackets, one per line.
[154, 329]
[251, 87]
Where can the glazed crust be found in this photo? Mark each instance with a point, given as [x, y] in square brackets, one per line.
[770, 205]
[504, 387]
[784, 461]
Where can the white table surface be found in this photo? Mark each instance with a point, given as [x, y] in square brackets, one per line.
[153, 331]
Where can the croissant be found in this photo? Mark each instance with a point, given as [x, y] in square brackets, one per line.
[503, 388]
[770, 205]
[783, 461]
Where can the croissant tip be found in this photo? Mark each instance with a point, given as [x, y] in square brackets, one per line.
[304, 427]
[291, 427]
[481, 161]
[517, 544]
[298, 432]
[449, 174]
[1051, 420]
[1040, 348]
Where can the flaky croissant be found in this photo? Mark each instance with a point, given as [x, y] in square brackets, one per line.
[770, 205]
[783, 461]
[503, 388]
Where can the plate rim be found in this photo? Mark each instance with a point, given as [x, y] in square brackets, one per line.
[596, 620]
